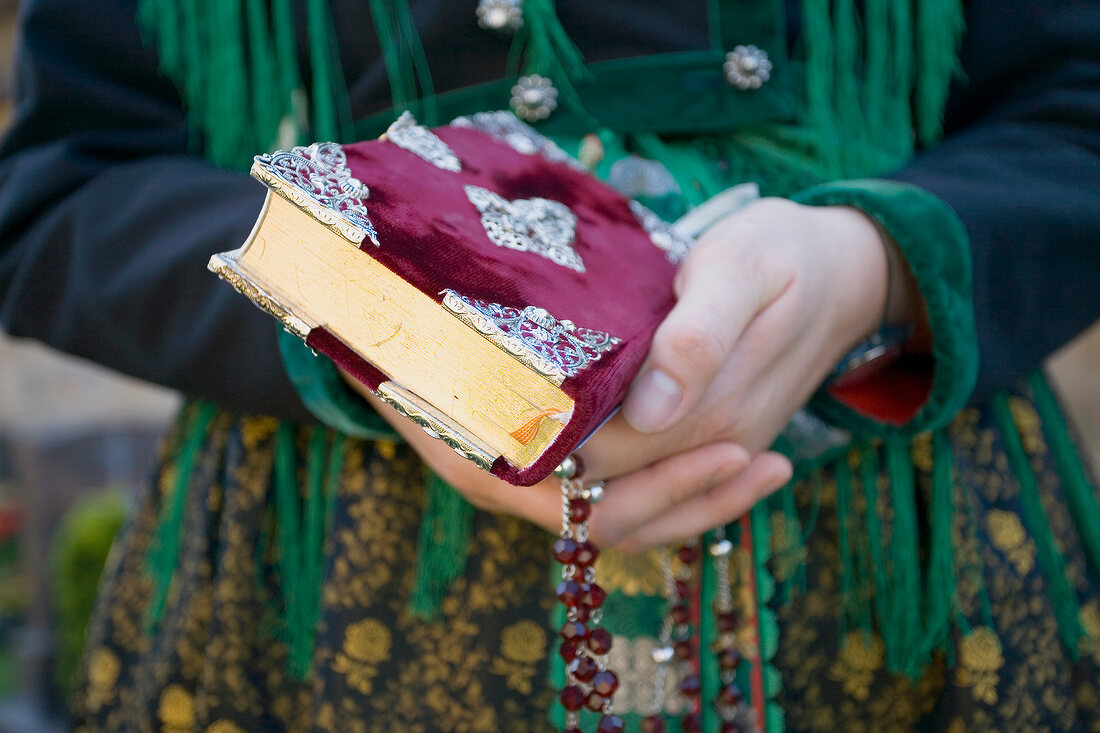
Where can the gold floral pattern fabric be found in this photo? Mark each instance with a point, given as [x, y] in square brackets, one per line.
[215, 662]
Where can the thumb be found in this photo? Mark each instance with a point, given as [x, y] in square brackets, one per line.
[693, 342]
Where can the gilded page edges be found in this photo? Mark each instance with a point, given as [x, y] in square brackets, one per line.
[225, 266]
[436, 424]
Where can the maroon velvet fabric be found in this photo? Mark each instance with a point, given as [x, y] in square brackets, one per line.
[432, 236]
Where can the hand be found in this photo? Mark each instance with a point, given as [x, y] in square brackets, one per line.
[769, 301]
[677, 497]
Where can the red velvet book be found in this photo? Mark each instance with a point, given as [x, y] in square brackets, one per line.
[474, 276]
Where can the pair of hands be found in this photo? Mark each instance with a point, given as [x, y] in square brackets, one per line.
[769, 300]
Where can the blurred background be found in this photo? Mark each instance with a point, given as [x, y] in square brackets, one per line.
[76, 442]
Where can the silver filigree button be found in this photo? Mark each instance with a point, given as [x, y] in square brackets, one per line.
[500, 15]
[534, 97]
[747, 67]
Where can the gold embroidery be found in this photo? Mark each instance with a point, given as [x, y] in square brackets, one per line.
[521, 645]
[980, 658]
[523, 641]
[1027, 423]
[224, 726]
[861, 655]
[1090, 622]
[176, 710]
[632, 575]
[103, 670]
[366, 644]
[1009, 536]
[921, 451]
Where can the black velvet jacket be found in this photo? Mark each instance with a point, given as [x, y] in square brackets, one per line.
[107, 214]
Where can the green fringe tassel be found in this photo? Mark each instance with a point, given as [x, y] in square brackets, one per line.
[904, 560]
[411, 87]
[237, 69]
[1080, 494]
[301, 531]
[871, 90]
[941, 579]
[548, 50]
[443, 545]
[164, 554]
[1062, 596]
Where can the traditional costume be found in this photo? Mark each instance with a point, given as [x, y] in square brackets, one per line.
[933, 566]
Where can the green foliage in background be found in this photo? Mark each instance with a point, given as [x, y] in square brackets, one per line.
[80, 550]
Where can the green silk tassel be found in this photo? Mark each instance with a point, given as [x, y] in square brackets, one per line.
[442, 546]
[1063, 598]
[164, 554]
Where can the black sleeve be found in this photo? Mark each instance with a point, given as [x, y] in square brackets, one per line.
[107, 221]
[1020, 164]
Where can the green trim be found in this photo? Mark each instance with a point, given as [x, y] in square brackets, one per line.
[327, 396]
[935, 245]
[698, 99]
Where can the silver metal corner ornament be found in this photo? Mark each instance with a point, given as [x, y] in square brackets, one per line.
[556, 349]
[747, 67]
[500, 15]
[518, 135]
[317, 179]
[540, 226]
[420, 141]
[534, 97]
[661, 233]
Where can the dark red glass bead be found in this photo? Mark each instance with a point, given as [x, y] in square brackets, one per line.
[592, 595]
[726, 621]
[572, 697]
[572, 630]
[682, 589]
[681, 614]
[569, 592]
[688, 554]
[569, 649]
[585, 668]
[730, 694]
[689, 685]
[653, 724]
[683, 649]
[691, 723]
[610, 724]
[580, 574]
[605, 683]
[599, 641]
[729, 659]
[579, 509]
[565, 549]
[731, 726]
[586, 553]
[595, 701]
[582, 612]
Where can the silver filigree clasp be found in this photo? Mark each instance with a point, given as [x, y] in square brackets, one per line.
[747, 67]
[419, 140]
[534, 97]
[500, 15]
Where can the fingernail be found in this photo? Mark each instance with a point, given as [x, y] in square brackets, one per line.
[652, 401]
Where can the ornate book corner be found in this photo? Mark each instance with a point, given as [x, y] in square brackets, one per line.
[555, 349]
[316, 179]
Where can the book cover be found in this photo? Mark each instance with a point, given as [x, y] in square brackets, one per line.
[509, 239]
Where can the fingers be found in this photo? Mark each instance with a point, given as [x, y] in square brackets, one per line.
[718, 298]
[632, 501]
[719, 505]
